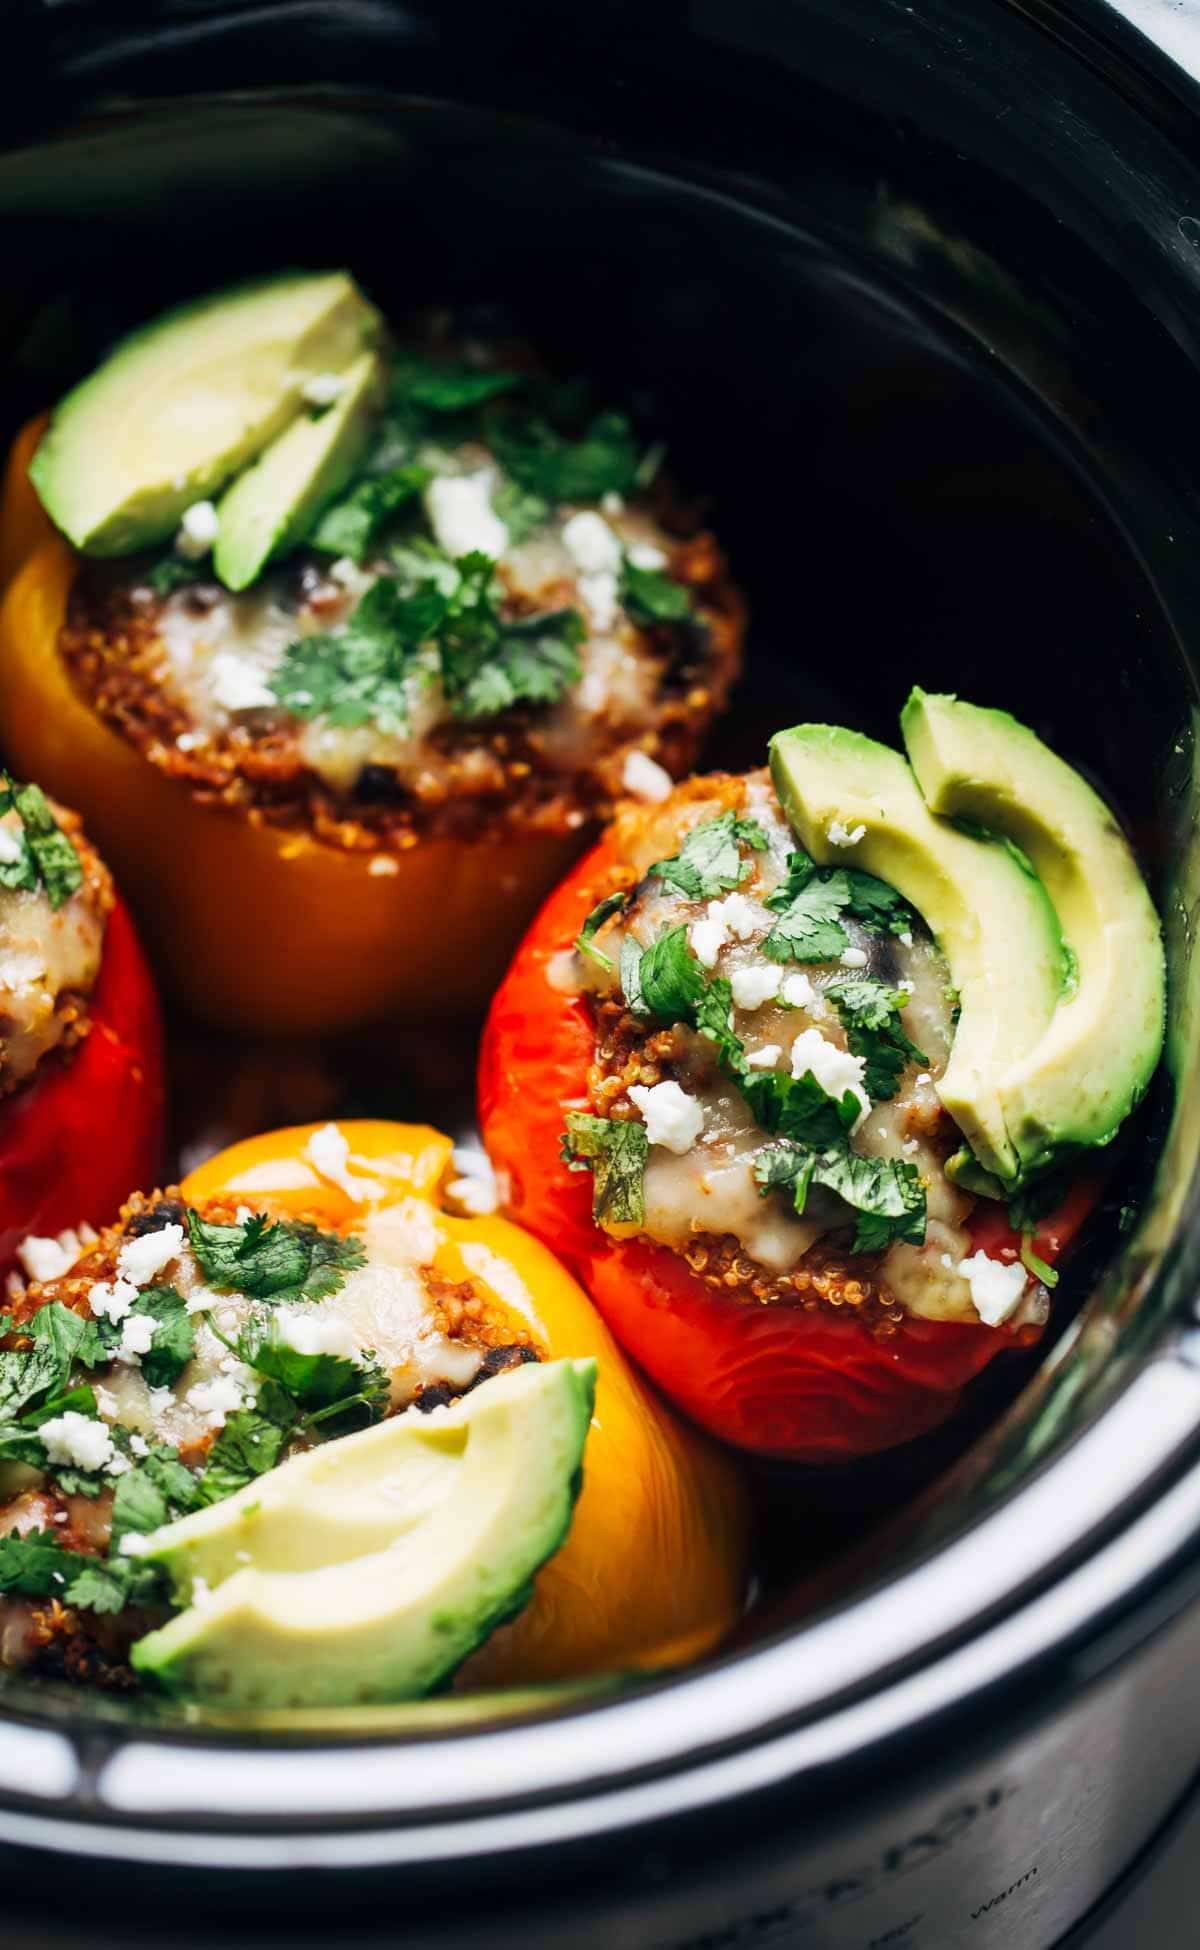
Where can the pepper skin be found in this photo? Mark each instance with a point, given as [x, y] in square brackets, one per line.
[88, 1126]
[24, 523]
[807, 1385]
[653, 1570]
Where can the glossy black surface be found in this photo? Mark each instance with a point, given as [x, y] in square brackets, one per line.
[905, 286]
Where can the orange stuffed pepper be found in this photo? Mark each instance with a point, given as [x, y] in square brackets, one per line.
[330, 1281]
[342, 649]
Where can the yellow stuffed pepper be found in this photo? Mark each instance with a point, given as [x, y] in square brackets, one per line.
[341, 649]
[330, 1281]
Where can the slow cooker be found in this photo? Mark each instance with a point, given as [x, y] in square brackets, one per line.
[919, 286]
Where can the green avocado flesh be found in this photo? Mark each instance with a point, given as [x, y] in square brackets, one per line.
[272, 506]
[987, 911]
[182, 404]
[366, 1570]
[1093, 1060]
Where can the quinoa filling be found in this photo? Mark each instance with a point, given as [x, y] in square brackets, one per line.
[494, 616]
[762, 1096]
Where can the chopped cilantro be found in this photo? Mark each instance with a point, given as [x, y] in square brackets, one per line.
[283, 1263]
[543, 461]
[535, 661]
[603, 911]
[27, 1379]
[709, 862]
[69, 1337]
[448, 388]
[362, 676]
[520, 512]
[153, 1493]
[45, 857]
[670, 980]
[351, 525]
[171, 573]
[36, 1565]
[616, 1154]
[317, 1384]
[804, 898]
[885, 1193]
[799, 1107]
[487, 664]
[870, 1013]
[630, 976]
[808, 928]
[652, 597]
[249, 1444]
[109, 1584]
[174, 1341]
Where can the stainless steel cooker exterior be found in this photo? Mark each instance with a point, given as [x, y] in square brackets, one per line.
[969, 1746]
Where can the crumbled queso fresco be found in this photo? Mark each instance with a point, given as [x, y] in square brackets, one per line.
[792, 1024]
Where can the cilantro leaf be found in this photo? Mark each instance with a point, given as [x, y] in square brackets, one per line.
[70, 1338]
[287, 1262]
[870, 1013]
[27, 1379]
[670, 980]
[799, 1107]
[520, 512]
[36, 1565]
[709, 861]
[878, 907]
[316, 1383]
[174, 1341]
[885, 1193]
[109, 1584]
[631, 977]
[652, 597]
[602, 912]
[249, 1444]
[361, 676]
[712, 1017]
[351, 524]
[535, 661]
[445, 387]
[171, 573]
[543, 461]
[155, 1492]
[615, 1153]
[45, 857]
[808, 928]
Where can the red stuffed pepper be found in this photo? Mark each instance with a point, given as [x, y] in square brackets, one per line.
[81, 1071]
[712, 1079]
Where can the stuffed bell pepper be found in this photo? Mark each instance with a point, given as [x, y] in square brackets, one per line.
[808, 1073]
[81, 1081]
[315, 1430]
[342, 643]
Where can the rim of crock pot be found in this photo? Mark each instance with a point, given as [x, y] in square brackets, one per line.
[744, 1703]
[164, 1799]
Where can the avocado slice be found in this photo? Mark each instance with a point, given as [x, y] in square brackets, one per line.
[987, 910]
[184, 402]
[1094, 1059]
[272, 506]
[366, 1570]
